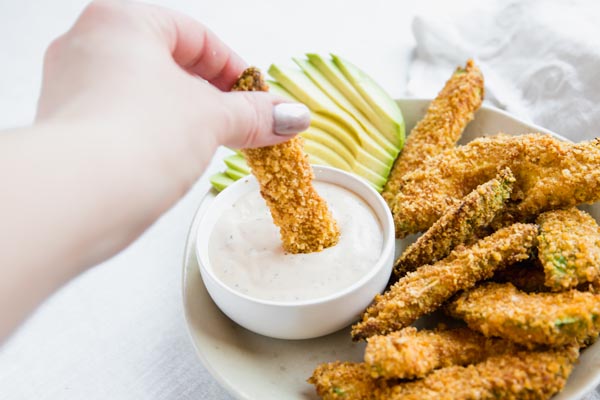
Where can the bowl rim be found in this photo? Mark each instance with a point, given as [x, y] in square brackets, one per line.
[387, 248]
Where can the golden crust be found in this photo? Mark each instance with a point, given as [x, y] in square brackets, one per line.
[347, 381]
[569, 248]
[530, 319]
[518, 376]
[424, 290]
[409, 353]
[459, 223]
[285, 178]
[511, 374]
[442, 125]
[549, 174]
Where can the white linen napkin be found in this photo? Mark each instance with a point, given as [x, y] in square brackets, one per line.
[540, 59]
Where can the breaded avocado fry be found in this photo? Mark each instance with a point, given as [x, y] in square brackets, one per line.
[347, 381]
[285, 178]
[522, 375]
[458, 224]
[569, 248]
[550, 174]
[442, 125]
[422, 291]
[409, 353]
[530, 319]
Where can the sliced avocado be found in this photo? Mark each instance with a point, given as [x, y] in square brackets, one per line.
[335, 76]
[375, 180]
[235, 174]
[220, 181]
[326, 154]
[314, 160]
[331, 126]
[300, 85]
[334, 94]
[329, 140]
[374, 95]
[362, 156]
[366, 165]
[238, 163]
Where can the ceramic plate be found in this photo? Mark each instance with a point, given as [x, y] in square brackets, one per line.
[254, 367]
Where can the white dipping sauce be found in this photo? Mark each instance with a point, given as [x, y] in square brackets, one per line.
[246, 253]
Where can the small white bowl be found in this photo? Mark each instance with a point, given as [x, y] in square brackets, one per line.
[302, 319]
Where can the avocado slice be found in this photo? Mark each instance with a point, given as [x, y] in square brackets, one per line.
[300, 85]
[237, 162]
[326, 154]
[334, 94]
[362, 157]
[220, 181]
[374, 95]
[371, 169]
[355, 126]
[329, 140]
[234, 174]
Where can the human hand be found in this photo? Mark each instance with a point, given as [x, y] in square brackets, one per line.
[131, 110]
[150, 81]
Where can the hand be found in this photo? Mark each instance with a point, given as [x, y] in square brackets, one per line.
[154, 79]
[132, 109]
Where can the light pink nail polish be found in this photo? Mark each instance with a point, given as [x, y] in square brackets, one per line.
[290, 118]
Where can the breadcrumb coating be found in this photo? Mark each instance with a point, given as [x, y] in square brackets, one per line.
[569, 248]
[442, 125]
[347, 381]
[530, 319]
[549, 174]
[513, 375]
[522, 375]
[409, 353]
[424, 290]
[285, 178]
[458, 224]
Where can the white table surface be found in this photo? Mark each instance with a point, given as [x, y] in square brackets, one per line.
[118, 331]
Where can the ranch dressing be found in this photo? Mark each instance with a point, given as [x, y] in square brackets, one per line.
[246, 253]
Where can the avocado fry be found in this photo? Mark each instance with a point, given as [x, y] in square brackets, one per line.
[530, 319]
[442, 125]
[569, 248]
[550, 174]
[408, 353]
[460, 222]
[514, 376]
[422, 291]
[347, 381]
[285, 178]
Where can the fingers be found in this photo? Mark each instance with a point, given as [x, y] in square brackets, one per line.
[202, 53]
[193, 46]
[257, 119]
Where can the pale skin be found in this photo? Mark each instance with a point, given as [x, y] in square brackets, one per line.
[131, 110]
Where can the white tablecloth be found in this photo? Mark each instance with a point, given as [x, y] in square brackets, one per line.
[118, 331]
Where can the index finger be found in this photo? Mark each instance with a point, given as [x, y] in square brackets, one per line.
[197, 49]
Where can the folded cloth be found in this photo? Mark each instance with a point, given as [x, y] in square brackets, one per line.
[540, 59]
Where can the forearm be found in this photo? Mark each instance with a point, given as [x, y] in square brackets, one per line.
[69, 201]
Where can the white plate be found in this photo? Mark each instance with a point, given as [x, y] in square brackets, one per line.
[253, 367]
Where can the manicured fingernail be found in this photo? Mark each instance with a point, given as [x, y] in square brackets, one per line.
[290, 118]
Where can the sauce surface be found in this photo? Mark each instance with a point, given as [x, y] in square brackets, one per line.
[246, 253]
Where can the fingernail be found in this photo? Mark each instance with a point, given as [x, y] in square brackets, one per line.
[290, 118]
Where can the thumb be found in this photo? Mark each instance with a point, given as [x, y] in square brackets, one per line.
[257, 119]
